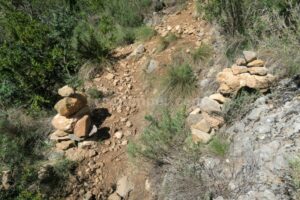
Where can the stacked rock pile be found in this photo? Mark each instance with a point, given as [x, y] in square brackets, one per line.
[246, 72]
[73, 121]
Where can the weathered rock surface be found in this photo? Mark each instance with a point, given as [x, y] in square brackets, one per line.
[70, 105]
[209, 105]
[63, 124]
[82, 127]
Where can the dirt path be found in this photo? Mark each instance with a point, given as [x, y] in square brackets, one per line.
[122, 112]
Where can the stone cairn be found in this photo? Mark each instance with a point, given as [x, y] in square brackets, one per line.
[73, 121]
[250, 72]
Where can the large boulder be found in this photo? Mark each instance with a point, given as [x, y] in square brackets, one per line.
[63, 123]
[70, 105]
[83, 127]
[66, 91]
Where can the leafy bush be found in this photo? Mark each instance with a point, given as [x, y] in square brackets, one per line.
[34, 57]
[203, 53]
[164, 42]
[21, 147]
[160, 138]
[180, 81]
[94, 41]
[95, 93]
[219, 146]
[295, 175]
[240, 105]
[144, 33]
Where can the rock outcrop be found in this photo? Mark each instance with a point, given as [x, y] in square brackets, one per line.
[207, 118]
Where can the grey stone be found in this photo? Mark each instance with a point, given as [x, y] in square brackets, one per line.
[209, 105]
[249, 55]
[153, 64]
[124, 186]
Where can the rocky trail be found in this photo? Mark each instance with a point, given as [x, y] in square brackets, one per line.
[131, 88]
[104, 171]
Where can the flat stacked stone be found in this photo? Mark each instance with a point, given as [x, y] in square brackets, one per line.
[73, 121]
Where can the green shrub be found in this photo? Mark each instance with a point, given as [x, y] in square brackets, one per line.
[94, 41]
[164, 42]
[125, 36]
[144, 33]
[34, 57]
[22, 142]
[240, 105]
[219, 146]
[202, 53]
[160, 138]
[126, 13]
[295, 175]
[180, 81]
[94, 93]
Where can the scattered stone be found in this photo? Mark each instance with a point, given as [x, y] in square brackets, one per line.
[124, 186]
[82, 127]
[66, 91]
[200, 136]
[124, 142]
[128, 124]
[256, 63]
[110, 76]
[209, 105]
[64, 145]
[249, 55]
[74, 154]
[114, 196]
[153, 64]
[118, 135]
[87, 145]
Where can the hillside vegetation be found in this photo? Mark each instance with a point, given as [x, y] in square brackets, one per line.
[100, 47]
